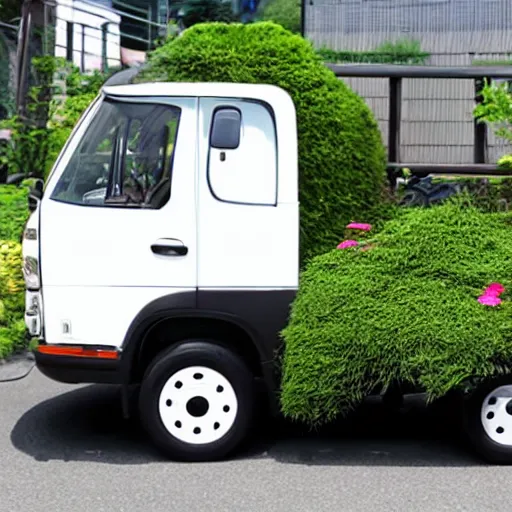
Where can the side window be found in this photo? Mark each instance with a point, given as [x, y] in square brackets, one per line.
[124, 159]
[242, 160]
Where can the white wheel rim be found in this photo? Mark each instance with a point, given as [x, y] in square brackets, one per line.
[495, 416]
[198, 405]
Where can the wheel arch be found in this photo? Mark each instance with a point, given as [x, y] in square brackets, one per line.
[159, 326]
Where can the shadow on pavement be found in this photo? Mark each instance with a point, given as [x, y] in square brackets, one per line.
[87, 425]
[82, 425]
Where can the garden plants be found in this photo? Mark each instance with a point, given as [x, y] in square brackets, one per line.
[424, 302]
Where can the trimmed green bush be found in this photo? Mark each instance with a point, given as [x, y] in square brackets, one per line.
[404, 310]
[341, 155]
[12, 298]
[13, 211]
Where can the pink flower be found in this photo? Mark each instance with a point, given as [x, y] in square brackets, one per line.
[489, 300]
[494, 289]
[348, 243]
[359, 226]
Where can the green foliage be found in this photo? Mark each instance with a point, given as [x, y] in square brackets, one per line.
[80, 84]
[402, 51]
[7, 102]
[12, 298]
[39, 138]
[13, 211]
[505, 162]
[496, 108]
[341, 155]
[30, 145]
[405, 311]
[202, 11]
[286, 13]
[10, 10]
[503, 62]
[29, 148]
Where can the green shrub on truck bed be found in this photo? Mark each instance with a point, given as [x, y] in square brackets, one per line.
[341, 155]
[406, 309]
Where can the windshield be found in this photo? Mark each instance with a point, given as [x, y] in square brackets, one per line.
[124, 157]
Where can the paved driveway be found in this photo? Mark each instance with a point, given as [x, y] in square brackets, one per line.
[67, 449]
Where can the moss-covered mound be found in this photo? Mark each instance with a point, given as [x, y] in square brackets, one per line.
[341, 156]
[12, 298]
[405, 309]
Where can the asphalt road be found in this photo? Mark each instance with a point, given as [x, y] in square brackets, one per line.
[67, 448]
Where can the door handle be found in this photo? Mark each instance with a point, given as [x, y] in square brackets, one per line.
[169, 247]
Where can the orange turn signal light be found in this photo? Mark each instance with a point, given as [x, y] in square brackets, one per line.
[59, 350]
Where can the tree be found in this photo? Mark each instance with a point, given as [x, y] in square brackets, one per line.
[284, 12]
[202, 11]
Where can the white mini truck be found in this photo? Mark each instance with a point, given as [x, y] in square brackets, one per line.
[164, 252]
[163, 256]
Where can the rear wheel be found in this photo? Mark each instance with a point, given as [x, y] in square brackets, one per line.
[197, 401]
[488, 420]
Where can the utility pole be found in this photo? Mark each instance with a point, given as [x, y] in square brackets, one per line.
[33, 17]
[303, 18]
[23, 57]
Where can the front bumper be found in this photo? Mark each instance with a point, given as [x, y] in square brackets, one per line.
[77, 369]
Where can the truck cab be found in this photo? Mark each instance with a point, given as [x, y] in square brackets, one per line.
[163, 254]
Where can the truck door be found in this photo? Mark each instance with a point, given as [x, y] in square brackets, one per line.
[247, 234]
[118, 219]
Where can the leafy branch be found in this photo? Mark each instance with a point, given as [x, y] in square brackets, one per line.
[495, 108]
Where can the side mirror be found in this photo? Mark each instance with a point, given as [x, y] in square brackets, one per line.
[35, 195]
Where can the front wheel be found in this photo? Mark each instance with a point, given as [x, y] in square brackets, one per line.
[197, 401]
[488, 421]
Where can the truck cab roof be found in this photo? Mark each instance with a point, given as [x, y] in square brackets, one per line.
[270, 93]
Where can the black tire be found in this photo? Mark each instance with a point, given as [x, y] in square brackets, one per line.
[212, 356]
[488, 449]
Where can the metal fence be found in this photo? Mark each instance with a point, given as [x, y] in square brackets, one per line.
[437, 115]
[442, 25]
[92, 36]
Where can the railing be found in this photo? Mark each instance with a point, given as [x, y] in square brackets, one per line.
[104, 32]
[395, 74]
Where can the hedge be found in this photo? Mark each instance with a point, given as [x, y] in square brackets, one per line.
[402, 51]
[14, 213]
[405, 310]
[341, 155]
[12, 298]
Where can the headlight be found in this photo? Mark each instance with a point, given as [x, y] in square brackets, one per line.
[31, 272]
